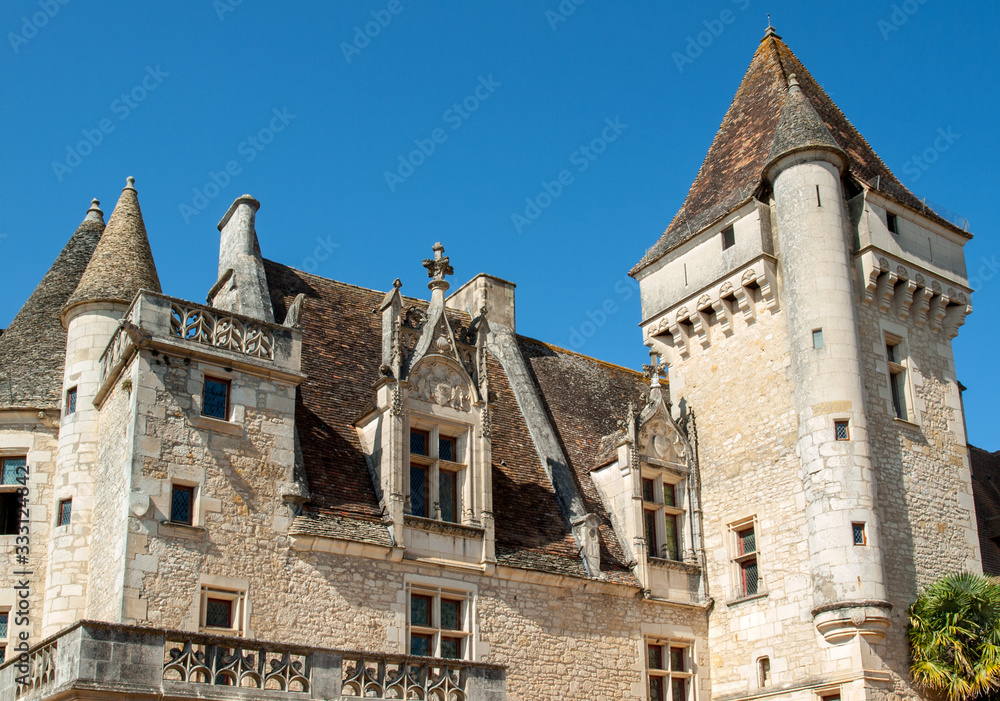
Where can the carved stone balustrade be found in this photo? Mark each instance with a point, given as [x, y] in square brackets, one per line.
[110, 661]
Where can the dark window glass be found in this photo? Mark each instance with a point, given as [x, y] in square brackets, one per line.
[13, 470]
[420, 610]
[451, 648]
[890, 354]
[419, 441]
[650, 522]
[764, 667]
[420, 645]
[747, 541]
[451, 614]
[892, 223]
[71, 401]
[654, 656]
[10, 513]
[65, 512]
[647, 490]
[748, 570]
[859, 533]
[896, 385]
[418, 490]
[670, 494]
[671, 537]
[656, 690]
[448, 485]
[181, 504]
[447, 449]
[216, 399]
[219, 613]
[678, 689]
[841, 430]
[728, 237]
[677, 659]
[3, 625]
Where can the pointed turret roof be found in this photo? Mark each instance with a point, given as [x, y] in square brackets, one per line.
[732, 170]
[799, 126]
[33, 347]
[123, 262]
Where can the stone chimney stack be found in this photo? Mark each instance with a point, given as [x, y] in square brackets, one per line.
[496, 294]
[242, 284]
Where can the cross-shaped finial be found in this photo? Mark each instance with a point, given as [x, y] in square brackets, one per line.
[654, 370]
[438, 266]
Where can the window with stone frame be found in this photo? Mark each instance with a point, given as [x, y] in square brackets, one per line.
[439, 622]
[662, 512]
[215, 398]
[4, 633]
[437, 472]
[183, 500]
[13, 476]
[222, 610]
[746, 558]
[669, 669]
[898, 362]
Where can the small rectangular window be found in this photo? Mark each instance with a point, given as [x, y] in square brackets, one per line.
[447, 449]
[819, 200]
[897, 377]
[14, 470]
[648, 487]
[858, 531]
[71, 401]
[668, 669]
[420, 442]
[728, 237]
[891, 223]
[223, 610]
[182, 504]
[215, 400]
[65, 512]
[438, 624]
[763, 671]
[842, 430]
[817, 338]
[218, 613]
[745, 565]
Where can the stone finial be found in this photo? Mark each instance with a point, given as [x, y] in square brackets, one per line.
[437, 268]
[771, 31]
[793, 82]
[95, 213]
[654, 370]
[130, 183]
[397, 283]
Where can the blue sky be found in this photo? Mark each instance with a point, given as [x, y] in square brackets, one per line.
[309, 113]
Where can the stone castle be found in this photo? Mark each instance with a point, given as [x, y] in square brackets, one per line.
[303, 489]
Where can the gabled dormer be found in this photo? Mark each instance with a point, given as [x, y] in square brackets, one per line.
[427, 435]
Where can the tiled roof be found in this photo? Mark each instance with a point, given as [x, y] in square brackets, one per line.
[341, 355]
[33, 347]
[123, 263]
[732, 169]
[986, 494]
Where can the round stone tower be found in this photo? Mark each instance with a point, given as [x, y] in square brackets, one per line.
[804, 169]
[121, 265]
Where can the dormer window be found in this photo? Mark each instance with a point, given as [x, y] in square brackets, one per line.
[437, 471]
[661, 499]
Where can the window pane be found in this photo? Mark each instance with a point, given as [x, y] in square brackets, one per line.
[65, 511]
[216, 399]
[219, 613]
[678, 689]
[71, 401]
[749, 573]
[180, 504]
[650, 522]
[3, 625]
[448, 484]
[859, 533]
[420, 645]
[451, 614]
[418, 442]
[898, 405]
[677, 659]
[447, 449]
[647, 490]
[841, 430]
[11, 473]
[418, 490]
[654, 656]
[656, 689]
[890, 353]
[747, 541]
[451, 648]
[671, 528]
[420, 610]
[670, 494]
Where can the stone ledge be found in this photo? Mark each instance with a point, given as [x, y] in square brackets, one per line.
[666, 564]
[743, 599]
[173, 529]
[444, 527]
[209, 423]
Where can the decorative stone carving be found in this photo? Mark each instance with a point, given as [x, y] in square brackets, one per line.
[440, 384]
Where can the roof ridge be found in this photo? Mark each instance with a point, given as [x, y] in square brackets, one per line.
[567, 351]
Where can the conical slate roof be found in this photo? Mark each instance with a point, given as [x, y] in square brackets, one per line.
[33, 348]
[123, 263]
[799, 127]
[732, 170]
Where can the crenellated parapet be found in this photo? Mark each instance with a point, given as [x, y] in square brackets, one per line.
[900, 289]
[696, 318]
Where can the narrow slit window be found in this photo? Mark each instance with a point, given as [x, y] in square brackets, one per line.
[71, 401]
[728, 237]
[65, 512]
[763, 671]
[182, 504]
[897, 377]
[891, 223]
[818, 338]
[819, 200]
